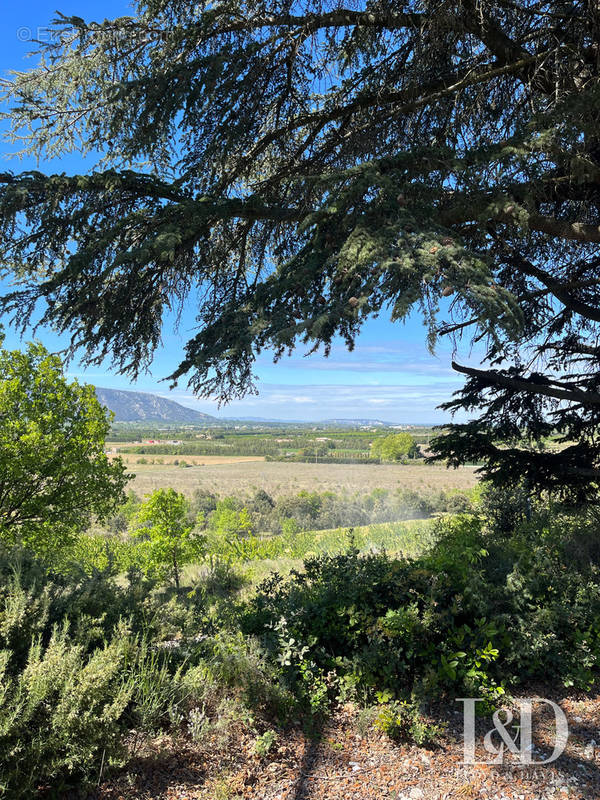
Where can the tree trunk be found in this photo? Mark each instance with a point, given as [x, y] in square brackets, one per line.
[175, 570]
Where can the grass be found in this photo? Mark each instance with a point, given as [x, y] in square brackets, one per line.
[262, 554]
[237, 476]
[402, 538]
[282, 553]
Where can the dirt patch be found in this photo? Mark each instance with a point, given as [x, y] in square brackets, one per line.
[341, 764]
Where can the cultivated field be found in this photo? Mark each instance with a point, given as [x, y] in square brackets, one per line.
[237, 475]
[133, 461]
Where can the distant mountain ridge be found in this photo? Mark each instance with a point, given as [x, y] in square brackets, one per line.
[357, 422]
[142, 406]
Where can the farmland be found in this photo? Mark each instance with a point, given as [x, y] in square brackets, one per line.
[276, 441]
[278, 458]
[238, 476]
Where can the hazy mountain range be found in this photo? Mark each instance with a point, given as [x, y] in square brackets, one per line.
[359, 421]
[142, 407]
[145, 407]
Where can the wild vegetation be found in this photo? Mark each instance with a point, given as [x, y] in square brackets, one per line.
[390, 617]
[188, 615]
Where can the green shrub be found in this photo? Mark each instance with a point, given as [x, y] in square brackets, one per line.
[93, 553]
[203, 503]
[222, 579]
[290, 526]
[34, 600]
[75, 680]
[458, 503]
[231, 662]
[157, 691]
[229, 524]
[322, 626]
[505, 508]
[471, 615]
[265, 743]
[403, 721]
[62, 715]
[262, 502]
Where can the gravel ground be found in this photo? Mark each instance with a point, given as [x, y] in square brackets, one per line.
[341, 764]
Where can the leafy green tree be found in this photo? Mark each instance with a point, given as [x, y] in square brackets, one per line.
[202, 505]
[302, 506]
[54, 474]
[228, 522]
[317, 450]
[167, 539]
[394, 447]
[262, 502]
[120, 521]
[304, 170]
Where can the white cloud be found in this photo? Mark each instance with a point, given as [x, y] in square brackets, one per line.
[401, 402]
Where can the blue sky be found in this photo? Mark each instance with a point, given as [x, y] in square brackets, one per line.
[390, 375]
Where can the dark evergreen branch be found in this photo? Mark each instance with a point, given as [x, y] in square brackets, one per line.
[494, 378]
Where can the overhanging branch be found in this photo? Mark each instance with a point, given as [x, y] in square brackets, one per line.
[495, 378]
